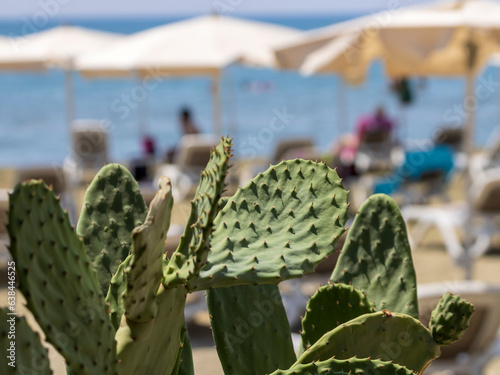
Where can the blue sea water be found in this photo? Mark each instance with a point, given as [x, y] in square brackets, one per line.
[33, 130]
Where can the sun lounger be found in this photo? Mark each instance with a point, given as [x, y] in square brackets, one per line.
[374, 152]
[481, 219]
[193, 153]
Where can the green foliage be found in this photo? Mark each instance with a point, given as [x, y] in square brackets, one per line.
[250, 328]
[450, 319]
[23, 351]
[383, 335]
[113, 206]
[376, 257]
[279, 226]
[331, 306]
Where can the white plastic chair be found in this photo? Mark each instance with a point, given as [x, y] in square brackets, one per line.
[480, 344]
[482, 218]
[89, 149]
[191, 158]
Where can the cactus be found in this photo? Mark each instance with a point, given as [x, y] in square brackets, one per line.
[184, 365]
[250, 329]
[192, 251]
[113, 206]
[28, 355]
[145, 269]
[57, 279]
[352, 366]
[381, 335]
[376, 257]
[279, 226]
[450, 319]
[331, 306]
[153, 347]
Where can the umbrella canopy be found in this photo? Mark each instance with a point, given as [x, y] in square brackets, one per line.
[448, 38]
[56, 47]
[198, 46]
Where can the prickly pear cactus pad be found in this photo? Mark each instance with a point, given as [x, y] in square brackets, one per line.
[279, 226]
[352, 366]
[450, 319]
[117, 287]
[376, 257]
[382, 335]
[184, 364]
[250, 329]
[191, 253]
[144, 272]
[112, 208]
[28, 355]
[331, 306]
[57, 279]
[153, 347]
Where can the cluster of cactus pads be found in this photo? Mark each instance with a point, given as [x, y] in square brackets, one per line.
[111, 302]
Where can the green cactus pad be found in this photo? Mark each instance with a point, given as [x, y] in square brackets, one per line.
[382, 335]
[193, 248]
[117, 287]
[352, 366]
[112, 208]
[152, 347]
[331, 306]
[184, 363]
[29, 355]
[57, 279]
[279, 226]
[250, 329]
[376, 257]
[450, 319]
[186, 366]
[145, 269]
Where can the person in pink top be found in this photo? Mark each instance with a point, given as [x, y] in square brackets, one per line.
[377, 122]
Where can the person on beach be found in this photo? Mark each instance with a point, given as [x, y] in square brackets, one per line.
[346, 148]
[378, 122]
[187, 126]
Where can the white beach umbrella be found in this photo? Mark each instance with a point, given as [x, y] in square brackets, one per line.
[56, 47]
[450, 38]
[198, 46]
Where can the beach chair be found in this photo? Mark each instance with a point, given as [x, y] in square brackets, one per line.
[191, 158]
[481, 342]
[481, 219]
[451, 137]
[89, 151]
[291, 148]
[374, 152]
[490, 156]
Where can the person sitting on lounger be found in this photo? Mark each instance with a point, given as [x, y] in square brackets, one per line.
[376, 123]
[187, 127]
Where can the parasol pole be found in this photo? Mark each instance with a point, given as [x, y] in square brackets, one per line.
[470, 109]
[69, 88]
[216, 97]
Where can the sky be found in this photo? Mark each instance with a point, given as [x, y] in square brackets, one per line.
[131, 8]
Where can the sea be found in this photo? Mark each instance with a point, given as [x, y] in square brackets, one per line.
[260, 106]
